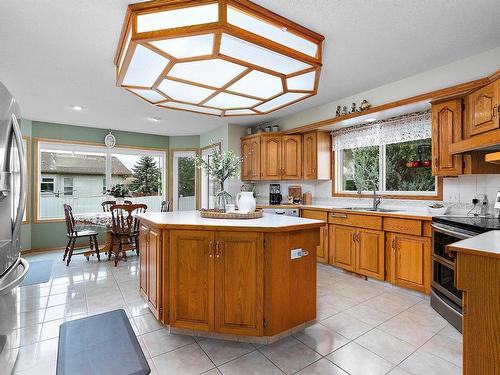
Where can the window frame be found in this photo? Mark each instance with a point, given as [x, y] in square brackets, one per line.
[337, 191]
[172, 189]
[204, 177]
[37, 142]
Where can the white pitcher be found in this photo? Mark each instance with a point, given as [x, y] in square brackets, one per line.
[246, 201]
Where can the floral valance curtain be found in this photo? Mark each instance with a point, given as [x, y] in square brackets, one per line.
[404, 128]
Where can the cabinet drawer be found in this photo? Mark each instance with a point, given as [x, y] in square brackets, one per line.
[313, 214]
[355, 220]
[406, 226]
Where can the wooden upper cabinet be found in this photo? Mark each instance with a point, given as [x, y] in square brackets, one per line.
[370, 253]
[270, 152]
[246, 159]
[410, 261]
[342, 246]
[446, 129]
[291, 161]
[255, 158]
[482, 109]
[239, 283]
[317, 156]
[192, 279]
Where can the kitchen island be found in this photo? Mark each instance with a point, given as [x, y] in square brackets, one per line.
[234, 279]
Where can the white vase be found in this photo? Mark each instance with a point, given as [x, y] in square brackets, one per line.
[120, 200]
[246, 201]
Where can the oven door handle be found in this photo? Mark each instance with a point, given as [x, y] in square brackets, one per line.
[459, 235]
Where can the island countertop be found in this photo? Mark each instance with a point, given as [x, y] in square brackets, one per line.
[193, 220]
[486, 244]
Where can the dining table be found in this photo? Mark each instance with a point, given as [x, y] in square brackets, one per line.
[101, 219]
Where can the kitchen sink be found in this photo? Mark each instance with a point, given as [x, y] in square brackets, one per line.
[368, 209]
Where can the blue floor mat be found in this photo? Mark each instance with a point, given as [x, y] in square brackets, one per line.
[38, 273]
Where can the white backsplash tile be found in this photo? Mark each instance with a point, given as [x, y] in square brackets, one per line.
[457, 193]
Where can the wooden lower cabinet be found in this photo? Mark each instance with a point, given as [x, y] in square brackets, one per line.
[206, 293]
[192, 279]
[322, 249]
[343, 247]
[239, 295]
[150, 266]
[370, 253]
[409, 261]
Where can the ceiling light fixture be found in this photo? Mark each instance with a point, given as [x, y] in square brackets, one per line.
[77, 107]
[217, 57]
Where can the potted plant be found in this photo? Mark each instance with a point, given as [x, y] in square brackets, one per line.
[119, 192]
[222, 165]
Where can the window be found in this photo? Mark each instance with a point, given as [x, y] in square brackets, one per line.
[183, 180]
[81, 175]
[142, 172]
[358, 169]
[208, 186]
[68, 185]
[47, 186]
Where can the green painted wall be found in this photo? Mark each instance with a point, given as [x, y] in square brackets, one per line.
[190, 141]
[44, 235]
[219, 134]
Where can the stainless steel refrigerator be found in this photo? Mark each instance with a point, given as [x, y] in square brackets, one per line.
[13, 268]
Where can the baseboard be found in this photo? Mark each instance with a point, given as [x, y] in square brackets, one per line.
[52, 248]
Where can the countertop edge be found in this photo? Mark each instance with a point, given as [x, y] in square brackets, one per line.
[396, 214]
[473, 245]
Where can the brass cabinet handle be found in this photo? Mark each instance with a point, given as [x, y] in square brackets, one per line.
[339, 216]
[495, 111]
[210, 252]
[217, 249]
[436, 161]
[394, 244]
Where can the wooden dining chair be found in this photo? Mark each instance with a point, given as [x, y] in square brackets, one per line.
[73, 234]
[165, 206]
[125, 229]
[106, 205]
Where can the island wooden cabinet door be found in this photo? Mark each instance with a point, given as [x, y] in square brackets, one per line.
[239, 283]
[292, 157]
[446, 129]
[143, 264]
[246, 159]
[192, 279]
[255, 158]
[342, 247]
[482, 108]
[370, 253]
[154, 272]
[270, 151]
[409, 261]
[310, 156]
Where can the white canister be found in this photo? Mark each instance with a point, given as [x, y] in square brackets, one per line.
[246, 201]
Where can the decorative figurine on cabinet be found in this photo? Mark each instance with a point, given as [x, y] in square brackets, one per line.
[344, 111]
[337, 112]
[353, 108]
[364, 105]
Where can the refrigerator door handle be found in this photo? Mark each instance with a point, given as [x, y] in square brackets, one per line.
[22, 169]
[7, 288]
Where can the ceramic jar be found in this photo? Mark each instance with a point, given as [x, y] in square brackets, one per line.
[246, 201]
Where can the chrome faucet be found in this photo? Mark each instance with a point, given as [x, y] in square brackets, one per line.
[376, 199]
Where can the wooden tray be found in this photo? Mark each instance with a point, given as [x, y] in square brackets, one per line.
[213, 214]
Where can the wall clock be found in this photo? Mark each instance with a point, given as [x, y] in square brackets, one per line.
[110, 140]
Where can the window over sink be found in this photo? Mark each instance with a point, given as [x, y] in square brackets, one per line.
[393, 154]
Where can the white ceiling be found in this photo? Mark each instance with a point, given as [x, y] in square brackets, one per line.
[58, 53]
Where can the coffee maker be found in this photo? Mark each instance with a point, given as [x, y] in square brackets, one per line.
[275, 194]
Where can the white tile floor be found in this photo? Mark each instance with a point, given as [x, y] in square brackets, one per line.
[363, 327]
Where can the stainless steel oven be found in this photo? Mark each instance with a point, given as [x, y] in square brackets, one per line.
[446, 299]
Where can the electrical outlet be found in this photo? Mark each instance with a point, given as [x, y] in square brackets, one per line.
[295, 253]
